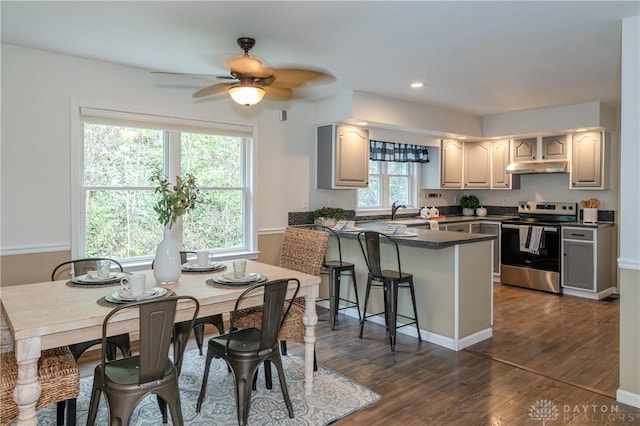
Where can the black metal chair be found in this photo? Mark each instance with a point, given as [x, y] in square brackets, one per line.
[198, 327]
[390, 281]
[334, 269]
[126, 381]
[77, 267]
[244, 350]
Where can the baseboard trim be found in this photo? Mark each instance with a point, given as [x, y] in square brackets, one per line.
[427, 336]
[632, 399]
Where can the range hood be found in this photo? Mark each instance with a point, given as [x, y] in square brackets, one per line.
[531, 168]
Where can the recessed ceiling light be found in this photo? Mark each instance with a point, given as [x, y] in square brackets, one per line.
[417, 85]
[362, 123]
[462, 137]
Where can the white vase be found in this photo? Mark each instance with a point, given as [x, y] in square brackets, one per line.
[167, 266]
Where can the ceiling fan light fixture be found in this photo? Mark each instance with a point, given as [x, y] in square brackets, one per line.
[246, 94]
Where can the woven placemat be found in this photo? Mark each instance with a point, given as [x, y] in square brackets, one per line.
[107, 284]
[106, 304]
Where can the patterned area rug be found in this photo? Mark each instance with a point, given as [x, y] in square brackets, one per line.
[334, 396]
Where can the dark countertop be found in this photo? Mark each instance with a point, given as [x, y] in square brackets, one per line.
[589, 225]
[425, 237]
[413, 221]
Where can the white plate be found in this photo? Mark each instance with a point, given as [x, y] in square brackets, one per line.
[86, 279]
[354, 229]
[195, 267]
[248, 279]
[405, 235]
[156, 292]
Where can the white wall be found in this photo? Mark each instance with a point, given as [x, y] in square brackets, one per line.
[35, 177]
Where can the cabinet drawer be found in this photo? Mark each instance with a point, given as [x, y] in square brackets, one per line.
[577, 234]
[459, 227]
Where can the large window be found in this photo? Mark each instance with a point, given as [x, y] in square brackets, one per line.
[118, 154]
[389, 181]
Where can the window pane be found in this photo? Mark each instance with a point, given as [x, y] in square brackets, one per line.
[215, 161]
[398, 189]
[217, 223]
[370, 196]
[121, 224]
[374, 167]
[395, 168]
[120, 156]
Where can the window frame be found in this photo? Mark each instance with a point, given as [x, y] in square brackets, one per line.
[413, 190]
[172, 158]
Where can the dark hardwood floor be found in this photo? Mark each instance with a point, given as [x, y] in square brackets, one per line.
[545, 347]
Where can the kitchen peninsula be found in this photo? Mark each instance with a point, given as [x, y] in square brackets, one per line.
[452, 277]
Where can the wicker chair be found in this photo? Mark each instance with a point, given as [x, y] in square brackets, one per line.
[58, 374]
[302, 250]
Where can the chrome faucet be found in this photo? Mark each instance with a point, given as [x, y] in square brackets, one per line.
[394, 208]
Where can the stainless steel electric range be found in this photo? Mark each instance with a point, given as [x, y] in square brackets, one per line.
[531, 245]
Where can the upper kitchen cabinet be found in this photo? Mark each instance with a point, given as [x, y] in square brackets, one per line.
[500, 159]
[431, 170]
[477, 164]
[548, 148]
[587, 159]
[525, 149]
[451, 153]
[343, 157]
[554, 148]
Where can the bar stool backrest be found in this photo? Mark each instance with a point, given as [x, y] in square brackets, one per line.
[370, 246]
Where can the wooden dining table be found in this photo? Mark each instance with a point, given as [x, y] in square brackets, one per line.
[53, 313]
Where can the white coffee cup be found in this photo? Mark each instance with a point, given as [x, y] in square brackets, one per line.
[203, 257]
[239, 268]
[133, 285]
[401, 229]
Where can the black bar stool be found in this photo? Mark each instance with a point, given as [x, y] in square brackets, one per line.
[334, 269]
[390, 281]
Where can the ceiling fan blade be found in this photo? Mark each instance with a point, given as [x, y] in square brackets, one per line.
[277, 93]
[249, 65]
[212, 90]
[296, 77]
[203, 76]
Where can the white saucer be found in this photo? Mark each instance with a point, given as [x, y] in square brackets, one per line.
[195, 267]
[156, 292]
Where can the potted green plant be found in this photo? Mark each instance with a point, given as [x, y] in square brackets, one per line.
[469, 204]
[175, 200]
[328, 216]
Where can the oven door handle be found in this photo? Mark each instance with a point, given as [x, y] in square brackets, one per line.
[545, 228]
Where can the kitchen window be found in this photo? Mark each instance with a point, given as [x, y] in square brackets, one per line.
[113, 197]
[392, 176]
[389, 181]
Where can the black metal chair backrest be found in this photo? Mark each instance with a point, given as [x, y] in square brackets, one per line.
[332, 234]
[156, 319]
[370, 246]
[273, 310]
[81, 266]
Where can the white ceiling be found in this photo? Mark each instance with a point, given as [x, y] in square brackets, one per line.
[477, 57]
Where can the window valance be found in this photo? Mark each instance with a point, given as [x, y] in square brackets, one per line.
[400, 152]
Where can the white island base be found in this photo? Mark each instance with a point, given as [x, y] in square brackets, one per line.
[454, 288]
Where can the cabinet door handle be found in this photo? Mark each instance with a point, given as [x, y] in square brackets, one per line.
[577, 235]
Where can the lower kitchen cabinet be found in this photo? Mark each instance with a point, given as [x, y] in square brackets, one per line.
[586, 262]
[492, 228]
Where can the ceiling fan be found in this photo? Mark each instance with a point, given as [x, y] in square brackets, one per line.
[252, 79]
